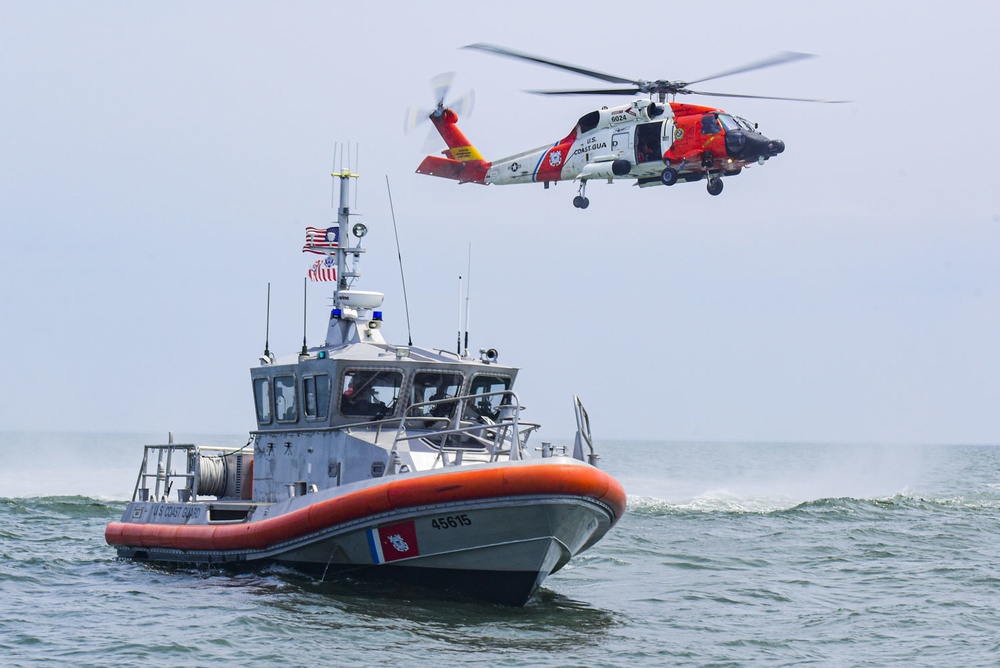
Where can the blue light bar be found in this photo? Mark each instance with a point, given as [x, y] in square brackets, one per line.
[377, 315]
[335, 313]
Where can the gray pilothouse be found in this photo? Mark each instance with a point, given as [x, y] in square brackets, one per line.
[378, 460]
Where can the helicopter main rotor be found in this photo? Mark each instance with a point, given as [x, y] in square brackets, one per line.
[661, 88]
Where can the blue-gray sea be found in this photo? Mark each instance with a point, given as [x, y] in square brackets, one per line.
[742, 554]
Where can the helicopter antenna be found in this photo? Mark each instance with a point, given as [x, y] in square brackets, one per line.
[406, 303]
[468, 288]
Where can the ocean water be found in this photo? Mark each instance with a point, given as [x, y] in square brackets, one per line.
[752, 554]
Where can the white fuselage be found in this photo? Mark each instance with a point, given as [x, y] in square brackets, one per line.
[639, 132]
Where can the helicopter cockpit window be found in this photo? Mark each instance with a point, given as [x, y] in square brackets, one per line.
[370, 393]
[434, 386]
[709, 124]
[284, 399]
[487, 406]
[589, 121]
[746, 125]
[728, 122]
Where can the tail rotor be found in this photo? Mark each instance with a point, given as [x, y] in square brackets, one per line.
[440, 85]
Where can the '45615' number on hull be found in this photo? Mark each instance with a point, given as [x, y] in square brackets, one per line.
[451, 522]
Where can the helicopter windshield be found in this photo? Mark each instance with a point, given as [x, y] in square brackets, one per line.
[747, 125]
[729, 123]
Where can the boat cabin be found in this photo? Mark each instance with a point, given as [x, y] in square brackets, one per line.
[322, 391]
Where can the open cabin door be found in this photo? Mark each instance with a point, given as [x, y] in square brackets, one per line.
[648, 145]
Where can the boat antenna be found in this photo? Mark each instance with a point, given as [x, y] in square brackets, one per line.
[305, 284]
[333, 184]
[458, 345]
[468, 288]
[267, 324]
[350, 171]
[406, 303]
[357, 161]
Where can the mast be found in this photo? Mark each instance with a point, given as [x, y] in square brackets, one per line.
[344, 231]
[353, 318]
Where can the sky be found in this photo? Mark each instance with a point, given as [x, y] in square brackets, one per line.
[160, 161]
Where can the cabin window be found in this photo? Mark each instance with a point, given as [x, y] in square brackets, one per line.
[435, 386]
[284, 398]
[262, 398]
[370, 393]
[484, 403]
[709, 125]
[589, 121]
[316, 396]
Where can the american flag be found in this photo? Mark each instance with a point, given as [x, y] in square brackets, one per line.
[320, 240]
[324, 270]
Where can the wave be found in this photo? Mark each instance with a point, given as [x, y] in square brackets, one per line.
[70, 507]
[723, 502]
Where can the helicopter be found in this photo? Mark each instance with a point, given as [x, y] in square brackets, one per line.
[651, 141]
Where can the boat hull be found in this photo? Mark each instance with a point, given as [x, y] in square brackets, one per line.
[493, 532]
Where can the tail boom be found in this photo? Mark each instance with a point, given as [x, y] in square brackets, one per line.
[463, 162]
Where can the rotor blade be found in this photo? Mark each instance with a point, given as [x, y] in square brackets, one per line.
[511, 53]
[464, 105]
[588, 91]
[440, 84]
[415, 116]
[776, 59]
[432, 142]
[766, 97]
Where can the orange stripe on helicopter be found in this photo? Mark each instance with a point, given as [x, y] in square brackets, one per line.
[548, 479]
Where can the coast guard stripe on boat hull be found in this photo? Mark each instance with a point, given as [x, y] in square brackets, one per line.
[375, 546]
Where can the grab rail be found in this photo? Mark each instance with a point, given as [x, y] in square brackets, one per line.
[164, 476]
[470, 427]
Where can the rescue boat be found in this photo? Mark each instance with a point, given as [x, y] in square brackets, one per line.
[377, 460]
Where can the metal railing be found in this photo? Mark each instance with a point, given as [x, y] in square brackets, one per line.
[467, 423]
[175, 463]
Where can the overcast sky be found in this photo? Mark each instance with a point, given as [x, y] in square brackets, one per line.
[159, 161]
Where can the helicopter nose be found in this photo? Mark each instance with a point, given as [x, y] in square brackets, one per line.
[752, 146]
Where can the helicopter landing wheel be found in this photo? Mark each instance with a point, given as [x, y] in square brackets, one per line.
[669, 176]
[581, 201]
[714, 185]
